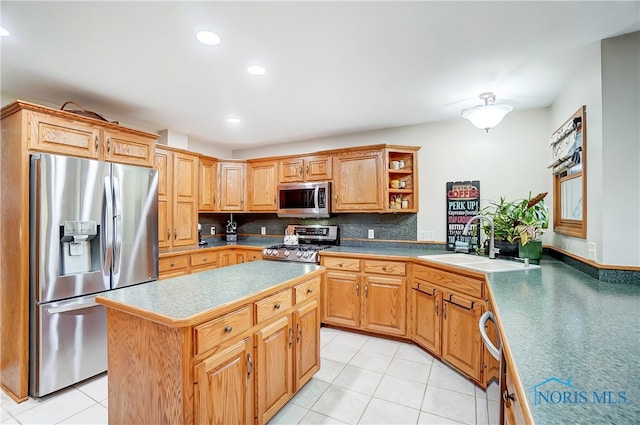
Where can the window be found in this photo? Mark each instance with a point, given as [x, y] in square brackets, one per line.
[569, 151]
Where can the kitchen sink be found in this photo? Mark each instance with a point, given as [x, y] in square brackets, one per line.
[478, 263]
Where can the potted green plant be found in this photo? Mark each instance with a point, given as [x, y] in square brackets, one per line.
[518, 225]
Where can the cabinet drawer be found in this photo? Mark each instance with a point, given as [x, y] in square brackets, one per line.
[273, 305]
[308, 289]
[385, 267]
[168, 264]
[216, 331]
[204, 258]
[455, 282]
[336, 263]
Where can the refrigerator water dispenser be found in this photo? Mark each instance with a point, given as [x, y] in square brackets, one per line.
[79, 247]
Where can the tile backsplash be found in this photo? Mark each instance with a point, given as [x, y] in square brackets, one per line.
[356, 226]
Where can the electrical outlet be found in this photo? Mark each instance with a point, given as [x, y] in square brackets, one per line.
[370, 234]
[213, 230]
[263, 230]
[592, 250]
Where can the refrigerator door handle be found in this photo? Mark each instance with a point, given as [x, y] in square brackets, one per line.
[117, 228]
[107, 233]
[73, 307]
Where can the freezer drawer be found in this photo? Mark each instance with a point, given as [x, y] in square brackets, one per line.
[69, 343]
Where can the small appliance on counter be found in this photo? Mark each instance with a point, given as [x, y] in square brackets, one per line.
[200, 240]
[231, 230]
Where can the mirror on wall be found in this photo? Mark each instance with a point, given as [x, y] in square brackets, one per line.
[569, 153]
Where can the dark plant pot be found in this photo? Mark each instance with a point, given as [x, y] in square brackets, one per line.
[532, 250]
[507, 249]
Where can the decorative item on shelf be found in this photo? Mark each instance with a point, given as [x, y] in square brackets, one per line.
[488, 115]
[395, 184]
[401, 164]
[84, 112]
[394, 165]
[405, 203]
[403, 184]
[520, 224]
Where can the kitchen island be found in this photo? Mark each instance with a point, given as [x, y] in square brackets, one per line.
[202, 348]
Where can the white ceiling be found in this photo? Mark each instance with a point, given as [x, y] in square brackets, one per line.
[332, 67]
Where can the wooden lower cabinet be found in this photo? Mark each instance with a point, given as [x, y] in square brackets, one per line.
[425, 326]
[224, 389]
[307, 333]
[274, 356]
[367, 301]
[287, 356]
[461, 343]
[514, 410]
[385, 304]
[342, 299]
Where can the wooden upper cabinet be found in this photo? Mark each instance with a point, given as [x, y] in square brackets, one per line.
[262, 185]
[231, 184]
[61, 136]
[207, 185]
[308, 168]
[358, 181]
[127, 148]
[177, 198]
[63, 133]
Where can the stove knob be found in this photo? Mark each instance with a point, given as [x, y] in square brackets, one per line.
[299, 254]
[306, 254]
[265, 251]
[313, 256]
[286, 252]
[275, 253]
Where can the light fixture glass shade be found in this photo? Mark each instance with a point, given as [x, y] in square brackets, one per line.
[488, 115]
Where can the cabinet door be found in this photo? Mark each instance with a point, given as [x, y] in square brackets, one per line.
[342, 299]
[274, 367]
[239, 257]
[425, 305]
[461, 342]
[385, 304]
[126, 148]
[225, 258]
[262, 185]
[61, 136]
[164, 165]
[318, 168]
[291, 170]
[185, 190]
[232, 186]
[307, 321]
[225, 386]
[207, 185]
[358, 182]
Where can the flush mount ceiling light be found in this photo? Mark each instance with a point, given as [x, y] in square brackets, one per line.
[208, 38]
[256, 70]
[488, 115]
[233, 120]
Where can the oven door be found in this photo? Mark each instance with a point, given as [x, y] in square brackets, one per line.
[304, 199]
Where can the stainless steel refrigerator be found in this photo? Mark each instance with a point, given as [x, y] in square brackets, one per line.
[94, 228]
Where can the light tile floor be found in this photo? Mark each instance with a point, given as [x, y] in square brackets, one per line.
[362, 380]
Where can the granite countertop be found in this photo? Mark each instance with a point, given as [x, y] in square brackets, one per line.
[179, 300]
[561, 323]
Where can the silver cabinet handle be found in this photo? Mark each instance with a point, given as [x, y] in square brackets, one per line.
[228, 329]
[250, 365]
[482, 323]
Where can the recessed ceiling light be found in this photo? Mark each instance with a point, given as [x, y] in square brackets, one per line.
[256, 70]
[233, 120]
[208, 38]
[3, 32]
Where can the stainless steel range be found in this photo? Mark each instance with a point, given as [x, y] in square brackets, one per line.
[310, 241]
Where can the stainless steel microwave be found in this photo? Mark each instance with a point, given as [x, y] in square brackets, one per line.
[306, 200]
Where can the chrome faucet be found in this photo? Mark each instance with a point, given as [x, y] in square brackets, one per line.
[492, 249]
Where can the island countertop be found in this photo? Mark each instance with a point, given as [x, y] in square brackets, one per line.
[181, 301]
